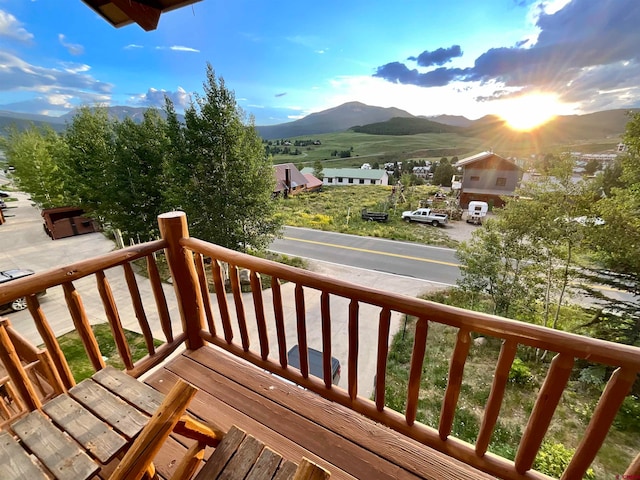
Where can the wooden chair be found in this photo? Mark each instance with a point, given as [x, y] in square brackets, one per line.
[169, 417]
[237, 455]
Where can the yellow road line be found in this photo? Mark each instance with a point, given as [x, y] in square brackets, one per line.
[376, 252]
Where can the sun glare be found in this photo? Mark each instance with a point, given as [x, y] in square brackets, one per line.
[529, 111]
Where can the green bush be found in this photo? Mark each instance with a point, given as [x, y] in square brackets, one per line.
[628, 417]
[520, 373]
[553, 459]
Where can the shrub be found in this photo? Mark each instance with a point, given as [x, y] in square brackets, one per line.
[520, 373]
[553, 459]
[628, 417]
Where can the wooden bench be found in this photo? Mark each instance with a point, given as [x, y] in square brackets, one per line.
[77, 433]
[109, 415]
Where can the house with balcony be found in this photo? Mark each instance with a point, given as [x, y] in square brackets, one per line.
[220, 390]
[352, 176]
[487, 177]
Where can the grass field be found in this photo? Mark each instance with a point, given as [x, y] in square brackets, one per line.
[337, 209]
[432, 146]
[381, 148]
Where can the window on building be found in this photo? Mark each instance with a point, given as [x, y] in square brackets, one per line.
[351, 180]
[339, 180]
[362, 180]
[501, 181]
[474, 178]
[330, 180]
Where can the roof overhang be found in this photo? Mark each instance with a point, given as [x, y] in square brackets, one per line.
[145, 13]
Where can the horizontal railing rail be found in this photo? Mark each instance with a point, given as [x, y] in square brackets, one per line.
[66, 278]
[241, 311]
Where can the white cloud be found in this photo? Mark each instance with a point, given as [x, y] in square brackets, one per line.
[132, 46]
[75, 68]
[155, 98]
[12, 28]
[179, 48]
[72, 48]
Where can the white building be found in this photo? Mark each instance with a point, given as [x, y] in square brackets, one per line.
[352, 176]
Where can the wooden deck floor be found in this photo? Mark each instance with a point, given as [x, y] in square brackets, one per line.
[297, 423]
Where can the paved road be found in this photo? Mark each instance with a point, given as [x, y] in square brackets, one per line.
[434, 264]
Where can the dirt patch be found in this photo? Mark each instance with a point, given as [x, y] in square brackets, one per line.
[460, 230]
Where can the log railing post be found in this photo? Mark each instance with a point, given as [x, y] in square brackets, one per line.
[173, 227]
[16, 371]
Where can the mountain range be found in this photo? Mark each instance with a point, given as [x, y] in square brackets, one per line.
[358, 117]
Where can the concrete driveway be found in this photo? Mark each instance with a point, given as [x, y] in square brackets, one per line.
[25, 245]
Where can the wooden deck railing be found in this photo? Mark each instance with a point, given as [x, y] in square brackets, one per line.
[246, 308]
[65, 277]
[241, 323]
[30, 376]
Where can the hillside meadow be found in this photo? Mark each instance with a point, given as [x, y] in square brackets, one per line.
[380, 148]
[430, 146]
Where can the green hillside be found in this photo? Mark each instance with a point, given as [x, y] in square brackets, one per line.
[407, 126]
[381, 148]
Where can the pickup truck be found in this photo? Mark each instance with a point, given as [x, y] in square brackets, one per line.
[425, 215]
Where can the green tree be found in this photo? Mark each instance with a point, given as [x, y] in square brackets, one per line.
[87, 164]
[611, 178]
[218, 173]
[443, 173]
[137, 176]
[554, 219]
[317, 170]
[592, 166]
[495, 263]
[617, 243]
[34, 153]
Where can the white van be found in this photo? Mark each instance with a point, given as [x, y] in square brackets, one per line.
[477, 211]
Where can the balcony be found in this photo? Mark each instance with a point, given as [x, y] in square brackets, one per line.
[232, 347]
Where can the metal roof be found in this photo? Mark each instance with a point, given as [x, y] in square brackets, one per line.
[349, 173]
[482, 156]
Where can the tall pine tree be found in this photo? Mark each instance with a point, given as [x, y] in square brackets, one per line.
[218, 173]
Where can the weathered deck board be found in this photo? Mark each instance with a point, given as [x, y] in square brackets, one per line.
[298, 423]
[130, 389]
[15, 461]
[94, 435]
[113, 410]
[242, 457]
[61, 455]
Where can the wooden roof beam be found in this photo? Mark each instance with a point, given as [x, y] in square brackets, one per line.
[144, 15]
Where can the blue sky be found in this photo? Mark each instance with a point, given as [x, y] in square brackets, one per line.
[287, 59]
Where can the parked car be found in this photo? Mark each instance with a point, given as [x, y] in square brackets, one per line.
[315, 363]
[425, 215]
[9, 275]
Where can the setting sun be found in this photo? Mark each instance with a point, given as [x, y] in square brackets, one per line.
[529, 111]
